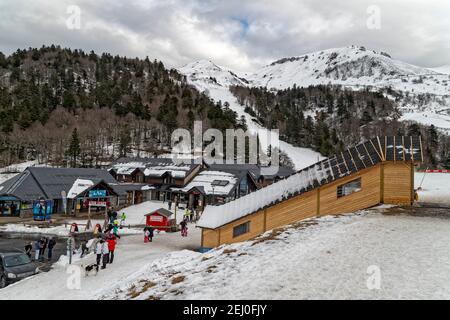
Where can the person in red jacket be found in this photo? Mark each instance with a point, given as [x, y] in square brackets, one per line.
[111, 247]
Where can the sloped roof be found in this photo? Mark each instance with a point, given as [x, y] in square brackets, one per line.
[47, 182]
[352, 160]
[162, 211]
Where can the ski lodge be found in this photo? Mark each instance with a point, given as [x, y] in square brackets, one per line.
[377, 171]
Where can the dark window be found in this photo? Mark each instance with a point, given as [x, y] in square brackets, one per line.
[220, 183]
[349, 188]
[241, 229]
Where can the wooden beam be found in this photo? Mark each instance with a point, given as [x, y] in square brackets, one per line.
[412, 182]
[403, 145]
[359, 155]
[385, 146]
[421, 149]
[368, 154]
[380, 155]
[395, 151]
[331, 168]
[383, 156]
[382, 182]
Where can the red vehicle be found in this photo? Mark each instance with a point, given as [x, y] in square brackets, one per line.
[161, 220]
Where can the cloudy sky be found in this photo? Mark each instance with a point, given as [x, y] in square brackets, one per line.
[240, 34]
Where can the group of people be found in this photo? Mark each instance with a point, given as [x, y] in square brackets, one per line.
[104, 250]
[40, 246]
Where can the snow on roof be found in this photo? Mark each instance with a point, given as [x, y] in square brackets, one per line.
[216, 216]
[78, 187]
[209, 181]
[175, 171]
[341, 165]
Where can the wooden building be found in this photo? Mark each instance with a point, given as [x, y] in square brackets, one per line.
[378, 171]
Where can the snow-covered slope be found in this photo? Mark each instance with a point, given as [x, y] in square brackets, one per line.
[215, 82]
[425, 93]
[442, 69]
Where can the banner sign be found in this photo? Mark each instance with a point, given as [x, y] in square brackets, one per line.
[42, 209]
[97, 193]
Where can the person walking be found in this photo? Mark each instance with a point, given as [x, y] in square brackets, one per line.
[111, 247]
[51, 245]
[123, 218]
[37, 249]
[116, 229]
[28, 249]
[183, 225]
[186, 214]
[146, 234]
[98, 250]
[170, 204]
[105, 254]
[41, 249]
[84, 249]
[150, 234]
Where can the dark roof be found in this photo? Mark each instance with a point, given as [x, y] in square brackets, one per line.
[122, 188]
[241, 169]
[163, 212]
[46, 182]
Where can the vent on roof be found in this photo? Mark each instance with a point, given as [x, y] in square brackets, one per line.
[220, 183]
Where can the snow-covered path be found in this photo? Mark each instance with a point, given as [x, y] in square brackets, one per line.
[131, 256]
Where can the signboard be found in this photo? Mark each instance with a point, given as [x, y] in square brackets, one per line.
[156, 218]
[97, 193]
[42, 209]
[98, 203]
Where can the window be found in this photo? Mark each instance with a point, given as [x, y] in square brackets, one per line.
[220, 183]
[241, 229]
[349, 188]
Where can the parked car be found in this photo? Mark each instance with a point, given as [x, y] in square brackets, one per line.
[15, 266]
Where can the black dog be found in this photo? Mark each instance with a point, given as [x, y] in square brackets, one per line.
[92, 268]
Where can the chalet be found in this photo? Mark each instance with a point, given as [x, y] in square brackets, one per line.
[69, 190]
[151, 178]
[377, 171]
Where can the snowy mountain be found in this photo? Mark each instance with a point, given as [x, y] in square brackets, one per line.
[215, 82]
[423, 95]
[442, 69]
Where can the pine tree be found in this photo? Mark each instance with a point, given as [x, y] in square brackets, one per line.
[74, 148]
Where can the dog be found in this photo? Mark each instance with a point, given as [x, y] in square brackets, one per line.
[91, 268]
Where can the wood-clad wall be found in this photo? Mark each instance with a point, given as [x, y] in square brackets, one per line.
[398, 183]
[369, 195]
[388, 182]
[298, 208]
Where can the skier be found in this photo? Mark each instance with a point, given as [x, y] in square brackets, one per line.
[98, 250]
[105, 253]
[51, 245]
[111, 247]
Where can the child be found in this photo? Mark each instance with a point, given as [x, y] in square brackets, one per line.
[146, 235]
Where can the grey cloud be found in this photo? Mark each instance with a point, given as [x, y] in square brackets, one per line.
[239, 34]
